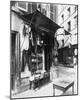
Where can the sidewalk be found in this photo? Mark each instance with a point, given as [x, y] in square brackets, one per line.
[46, 90]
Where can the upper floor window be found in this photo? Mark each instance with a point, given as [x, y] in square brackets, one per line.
[75, 8]
[69, 26]
[13, 3]
[51, 16]
[75, 21]
[29, 7]
[39, 7]
[62, 17]
[34, 7]
[22, 4]
[43, 11]
[69, 11]
[51, 7]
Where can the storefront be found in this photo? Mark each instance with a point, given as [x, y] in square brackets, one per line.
[65, 55]
[42, 49]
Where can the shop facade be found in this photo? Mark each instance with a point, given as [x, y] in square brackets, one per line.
[37, 44]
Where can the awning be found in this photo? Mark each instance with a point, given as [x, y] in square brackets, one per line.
[40, 22]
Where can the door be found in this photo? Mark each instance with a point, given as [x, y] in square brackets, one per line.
[15, 58]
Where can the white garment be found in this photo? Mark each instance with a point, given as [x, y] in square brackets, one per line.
[31, 78]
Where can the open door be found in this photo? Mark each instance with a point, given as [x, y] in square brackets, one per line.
[15, 58]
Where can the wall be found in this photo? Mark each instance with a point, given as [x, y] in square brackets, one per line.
[63, 22]
[17, 25]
